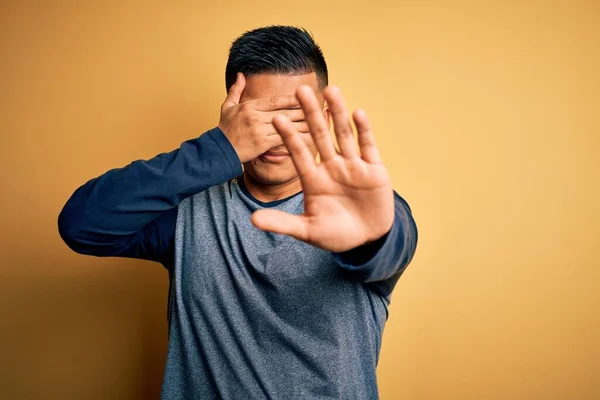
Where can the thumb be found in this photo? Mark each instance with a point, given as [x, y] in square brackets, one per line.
[235, 91]
[281, 222]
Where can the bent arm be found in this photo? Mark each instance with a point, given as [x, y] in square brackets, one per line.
[131, 211]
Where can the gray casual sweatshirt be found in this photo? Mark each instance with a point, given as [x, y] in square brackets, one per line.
[252, 314]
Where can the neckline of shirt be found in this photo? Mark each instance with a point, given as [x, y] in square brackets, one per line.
[242, 186]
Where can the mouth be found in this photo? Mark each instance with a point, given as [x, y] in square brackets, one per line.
[275, 156]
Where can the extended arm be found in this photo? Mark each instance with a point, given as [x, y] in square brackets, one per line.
[350, 207]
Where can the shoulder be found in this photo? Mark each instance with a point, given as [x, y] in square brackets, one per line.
[213, 195]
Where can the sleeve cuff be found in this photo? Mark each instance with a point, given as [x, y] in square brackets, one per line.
[359, 256]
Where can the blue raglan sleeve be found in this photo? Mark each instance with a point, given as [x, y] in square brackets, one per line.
[131, 211]
[381, 262]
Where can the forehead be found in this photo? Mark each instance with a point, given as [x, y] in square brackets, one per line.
[267, 85]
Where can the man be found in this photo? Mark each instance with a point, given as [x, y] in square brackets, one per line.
[280, 272]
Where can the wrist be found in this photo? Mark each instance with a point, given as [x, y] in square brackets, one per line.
[233, 145]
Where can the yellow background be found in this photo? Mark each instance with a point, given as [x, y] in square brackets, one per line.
[486, 113]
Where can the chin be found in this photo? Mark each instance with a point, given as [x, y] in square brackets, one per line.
[271, 174]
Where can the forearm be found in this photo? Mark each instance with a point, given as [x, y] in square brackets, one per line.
[108, 210]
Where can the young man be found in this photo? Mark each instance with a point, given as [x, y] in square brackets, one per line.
[281, 272]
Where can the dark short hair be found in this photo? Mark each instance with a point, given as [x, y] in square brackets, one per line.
[277, 50]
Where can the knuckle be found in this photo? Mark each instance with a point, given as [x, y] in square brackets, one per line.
[257, 140]
[320, 133]
[255, 131]
[245, 108]
[343, 133]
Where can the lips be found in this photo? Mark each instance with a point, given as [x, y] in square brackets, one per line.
[276, 157]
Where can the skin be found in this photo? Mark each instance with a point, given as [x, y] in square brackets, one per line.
[348, 197]
[269, 178]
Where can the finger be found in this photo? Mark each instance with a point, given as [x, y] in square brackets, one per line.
[301, 126]
[301, 155]
[366, 139]
[293, 115]
[281, 222]
[269, 129]
[316, 122]
[271, 136]
[235, 91]
[275, 103]
[273, 141]
[341, 122]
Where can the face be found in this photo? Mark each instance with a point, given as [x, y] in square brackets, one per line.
[277, 170]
